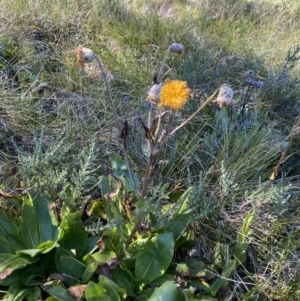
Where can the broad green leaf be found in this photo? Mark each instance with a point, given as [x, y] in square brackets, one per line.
[34, 294]
[74, 236]
[7, 228]
[114, 240]
[89, 271]
[33, 276]
[10, 262]
[17, 242]
[121, 171]
[51, 299]
[74, 266]
[111, 287]
[30, 252]
[42, 249]
[155, 258]
[7, 225]
[126, 280]
[5, 246]
[92, 244]
[162, 279]
[95, 292]
[14, 278]
[103, 256]
[46, 222]
[59, 252]
[18, 293]
[29, 224]
[179, 224]
[185, 208]
[168, 291]
[61, 294]
[217, 285]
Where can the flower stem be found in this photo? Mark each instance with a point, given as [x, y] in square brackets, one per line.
[108, 90]
[209, 99]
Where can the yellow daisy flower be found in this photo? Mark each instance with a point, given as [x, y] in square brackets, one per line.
[174, 94]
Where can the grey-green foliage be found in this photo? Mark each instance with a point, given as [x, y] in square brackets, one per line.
[276, 199]
[59, 166]
[202, 202]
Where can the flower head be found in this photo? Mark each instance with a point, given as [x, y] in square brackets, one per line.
[177, 48]
[153, 94]
[174, 94]
[84, 55]
[225, 96]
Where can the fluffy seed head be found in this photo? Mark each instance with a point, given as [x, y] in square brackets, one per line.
[225, 96]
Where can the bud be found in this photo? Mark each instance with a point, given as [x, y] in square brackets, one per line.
[177, 48]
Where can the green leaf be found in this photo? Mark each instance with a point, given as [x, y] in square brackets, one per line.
[46, 221]
[74, 237]
[229, 268]
[34, 294]
[29, 224]
[59, 252]
[155, 258]
[121, 171]
[184, 208]
[179, 224]
[125, 280]
[103, 256]
[60, 294]
[92, 244]
[7, 229]
[42, 249]
[217, 285]
[161, 280]
[14, 278]
[95, 292]
[18, 293]
[75, 267]
[89, 271]
[10, 262]
[33, 276]
[168, 291]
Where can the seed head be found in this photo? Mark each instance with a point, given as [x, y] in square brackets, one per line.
[177, 48]
[84, 55]
[225, 96]
[154, 92]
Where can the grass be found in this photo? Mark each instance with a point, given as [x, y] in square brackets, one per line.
[44, 95]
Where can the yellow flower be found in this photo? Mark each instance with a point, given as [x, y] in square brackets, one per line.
[174, 94]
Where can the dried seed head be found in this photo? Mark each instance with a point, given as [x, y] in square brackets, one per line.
[259, 84]
[84, 55]
[225, 96]
[250, 74]
[154, 92]
[177, 48]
